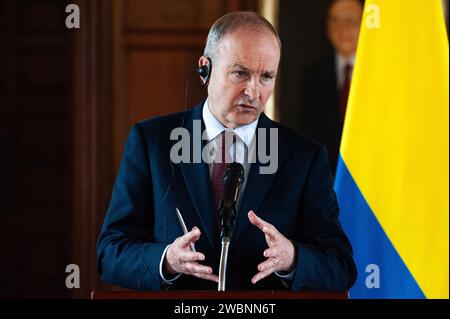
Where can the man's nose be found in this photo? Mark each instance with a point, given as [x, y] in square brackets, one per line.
[252, 89]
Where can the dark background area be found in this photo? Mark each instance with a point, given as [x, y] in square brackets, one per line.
[302, 28]
[36, 153]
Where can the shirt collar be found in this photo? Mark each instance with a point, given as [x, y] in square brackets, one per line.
[341, 62]
[214, 127]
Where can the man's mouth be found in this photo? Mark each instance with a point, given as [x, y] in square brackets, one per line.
[247, 106]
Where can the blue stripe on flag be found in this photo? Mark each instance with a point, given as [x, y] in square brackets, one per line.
[371, 245]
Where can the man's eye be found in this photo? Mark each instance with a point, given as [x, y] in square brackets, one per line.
[267, 77]
[239, 74]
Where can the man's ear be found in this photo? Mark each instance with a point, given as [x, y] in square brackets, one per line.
[204, 69]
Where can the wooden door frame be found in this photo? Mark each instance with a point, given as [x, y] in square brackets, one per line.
[95, 109]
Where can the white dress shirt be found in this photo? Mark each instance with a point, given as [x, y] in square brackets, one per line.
[341, 62]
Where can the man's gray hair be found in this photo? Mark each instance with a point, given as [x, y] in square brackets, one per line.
[233, 21]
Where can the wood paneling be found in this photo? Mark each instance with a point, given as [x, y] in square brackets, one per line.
[176, 15]
[93, 131]
[145, 98]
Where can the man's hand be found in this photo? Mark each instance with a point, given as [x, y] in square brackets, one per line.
[181, 259]
[280, 254]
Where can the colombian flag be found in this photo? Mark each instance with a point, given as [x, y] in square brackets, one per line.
[392, 180]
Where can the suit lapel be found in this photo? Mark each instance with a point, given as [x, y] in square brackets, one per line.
[197, 181]
[257, 184]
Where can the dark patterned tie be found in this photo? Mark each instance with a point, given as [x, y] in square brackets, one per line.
[345, 90]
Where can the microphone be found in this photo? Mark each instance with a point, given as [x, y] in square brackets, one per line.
[233, 178]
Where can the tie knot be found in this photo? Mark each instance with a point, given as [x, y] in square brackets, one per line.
[227, 137]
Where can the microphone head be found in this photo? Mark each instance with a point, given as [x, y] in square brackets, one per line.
[233, 178]
[235, 170]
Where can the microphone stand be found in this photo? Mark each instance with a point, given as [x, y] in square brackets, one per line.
[223, 262]
[226, 220]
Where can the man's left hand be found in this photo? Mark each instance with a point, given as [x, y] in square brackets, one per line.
[280, 254]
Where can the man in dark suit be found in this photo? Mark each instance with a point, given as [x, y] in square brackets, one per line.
[286, 234]
[325, 84]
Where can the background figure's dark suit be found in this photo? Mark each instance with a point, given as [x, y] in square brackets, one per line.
[298, 200]
[319, 109]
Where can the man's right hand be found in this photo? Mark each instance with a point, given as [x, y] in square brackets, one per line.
[181, 259]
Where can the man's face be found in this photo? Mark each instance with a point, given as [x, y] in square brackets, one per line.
[344, 20]
[243, 76]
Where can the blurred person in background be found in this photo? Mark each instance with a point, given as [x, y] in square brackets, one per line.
[325, 85]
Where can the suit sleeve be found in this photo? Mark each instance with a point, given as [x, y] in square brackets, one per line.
[324, 253]
[126, 255]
